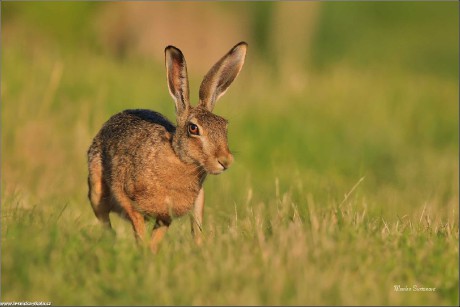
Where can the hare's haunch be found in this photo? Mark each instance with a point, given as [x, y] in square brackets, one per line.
[141, 165]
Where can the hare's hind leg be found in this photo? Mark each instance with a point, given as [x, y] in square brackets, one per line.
[134, 216]
[99, 193]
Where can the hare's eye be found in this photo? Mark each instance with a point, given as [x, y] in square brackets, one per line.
[193, 129]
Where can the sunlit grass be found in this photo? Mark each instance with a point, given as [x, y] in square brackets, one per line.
[279, 252]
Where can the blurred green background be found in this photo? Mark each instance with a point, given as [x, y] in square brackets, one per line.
[331, 92]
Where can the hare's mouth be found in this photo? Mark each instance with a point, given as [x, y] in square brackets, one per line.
[216, 171]
[223, 165]
[217, 168]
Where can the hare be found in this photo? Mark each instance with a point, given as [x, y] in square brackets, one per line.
[141, 166]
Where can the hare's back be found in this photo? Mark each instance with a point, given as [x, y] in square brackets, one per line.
[132, 129]
[135, 123]
[146, 118]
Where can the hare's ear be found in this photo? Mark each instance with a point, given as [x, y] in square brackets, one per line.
[176, 70]
[221, 75]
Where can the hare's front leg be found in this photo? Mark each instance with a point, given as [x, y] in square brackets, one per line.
[196, 218]
[158, 232]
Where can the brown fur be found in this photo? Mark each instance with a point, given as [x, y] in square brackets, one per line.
[141, 165]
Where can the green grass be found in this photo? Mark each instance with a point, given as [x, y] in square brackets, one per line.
[271, 253]
[339, 191]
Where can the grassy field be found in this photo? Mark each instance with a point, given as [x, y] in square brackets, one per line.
[341, 190]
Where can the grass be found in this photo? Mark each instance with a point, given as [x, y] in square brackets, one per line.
[273, 253]
[339, 191]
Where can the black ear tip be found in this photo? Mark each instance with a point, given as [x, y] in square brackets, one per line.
[173, 50]
[241, 44]
[241, 47]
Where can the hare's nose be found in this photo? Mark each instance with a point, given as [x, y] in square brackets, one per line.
[225, 161]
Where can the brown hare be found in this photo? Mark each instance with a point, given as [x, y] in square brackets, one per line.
[142, 166]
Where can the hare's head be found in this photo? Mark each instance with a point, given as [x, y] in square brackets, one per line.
[201, 136]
